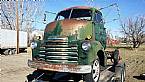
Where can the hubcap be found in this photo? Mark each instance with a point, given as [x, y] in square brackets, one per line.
[96, 71]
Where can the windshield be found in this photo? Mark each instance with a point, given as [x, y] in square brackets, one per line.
[79, 14]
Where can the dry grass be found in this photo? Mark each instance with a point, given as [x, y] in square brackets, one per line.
[135, 62]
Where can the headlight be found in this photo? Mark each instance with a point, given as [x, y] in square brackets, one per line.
[33, 45]
[86, 46]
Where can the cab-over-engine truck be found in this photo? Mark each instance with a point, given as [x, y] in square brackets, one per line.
[73, 49]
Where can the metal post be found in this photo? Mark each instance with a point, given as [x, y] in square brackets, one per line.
[17, 26]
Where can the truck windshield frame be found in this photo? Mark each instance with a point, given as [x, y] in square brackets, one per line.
[79, 14]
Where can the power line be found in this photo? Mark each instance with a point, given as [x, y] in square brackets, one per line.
[107, 6]
[115, 5]
[118, 13]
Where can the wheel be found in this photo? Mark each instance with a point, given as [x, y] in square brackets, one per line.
[95, 74]
[121, 75]
[5, 52]
[14, 51]
[10, 52]
[120, 79]
[124, 72]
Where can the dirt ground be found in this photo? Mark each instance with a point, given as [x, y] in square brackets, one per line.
[135, 63]
[13, 68]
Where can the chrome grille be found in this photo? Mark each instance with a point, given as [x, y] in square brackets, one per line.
[58, 50]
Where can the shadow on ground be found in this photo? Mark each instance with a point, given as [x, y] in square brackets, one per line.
[139, 77]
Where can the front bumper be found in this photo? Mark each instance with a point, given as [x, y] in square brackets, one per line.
[71, 68]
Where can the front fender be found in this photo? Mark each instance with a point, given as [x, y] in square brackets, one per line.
[92, 54]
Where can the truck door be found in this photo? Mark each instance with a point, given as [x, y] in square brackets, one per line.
[100, 31]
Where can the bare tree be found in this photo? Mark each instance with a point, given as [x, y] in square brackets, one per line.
[134, 30]
[28, 11]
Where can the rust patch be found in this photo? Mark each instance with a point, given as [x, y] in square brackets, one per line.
[55, 67]
[68, 25]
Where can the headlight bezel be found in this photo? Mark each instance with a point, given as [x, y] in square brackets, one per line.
[86, 45]
[34, 45]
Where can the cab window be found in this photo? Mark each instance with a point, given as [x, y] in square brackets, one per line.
[78, 14]
[98, 17]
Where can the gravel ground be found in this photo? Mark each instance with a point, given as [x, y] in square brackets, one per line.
[14, 67]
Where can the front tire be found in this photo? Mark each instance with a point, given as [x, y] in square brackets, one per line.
[95, 74]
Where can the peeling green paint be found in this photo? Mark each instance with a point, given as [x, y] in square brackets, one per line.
[85, 31]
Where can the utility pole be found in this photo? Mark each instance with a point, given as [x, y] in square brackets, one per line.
[21, 14]
[0, 15]
[17, 26]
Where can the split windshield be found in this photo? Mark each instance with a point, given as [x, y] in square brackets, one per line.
[79, 14]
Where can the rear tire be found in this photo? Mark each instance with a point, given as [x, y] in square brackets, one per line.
[14, 51]
[95, 74]
[121, 75]
[10, 52]
[122, 79]
[124, 72]
[6, 52]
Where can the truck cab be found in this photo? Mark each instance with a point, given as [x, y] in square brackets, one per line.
[73, 43]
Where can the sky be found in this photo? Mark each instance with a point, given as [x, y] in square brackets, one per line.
[127, 9]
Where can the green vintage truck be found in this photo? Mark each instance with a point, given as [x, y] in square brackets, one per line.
[73, 49]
